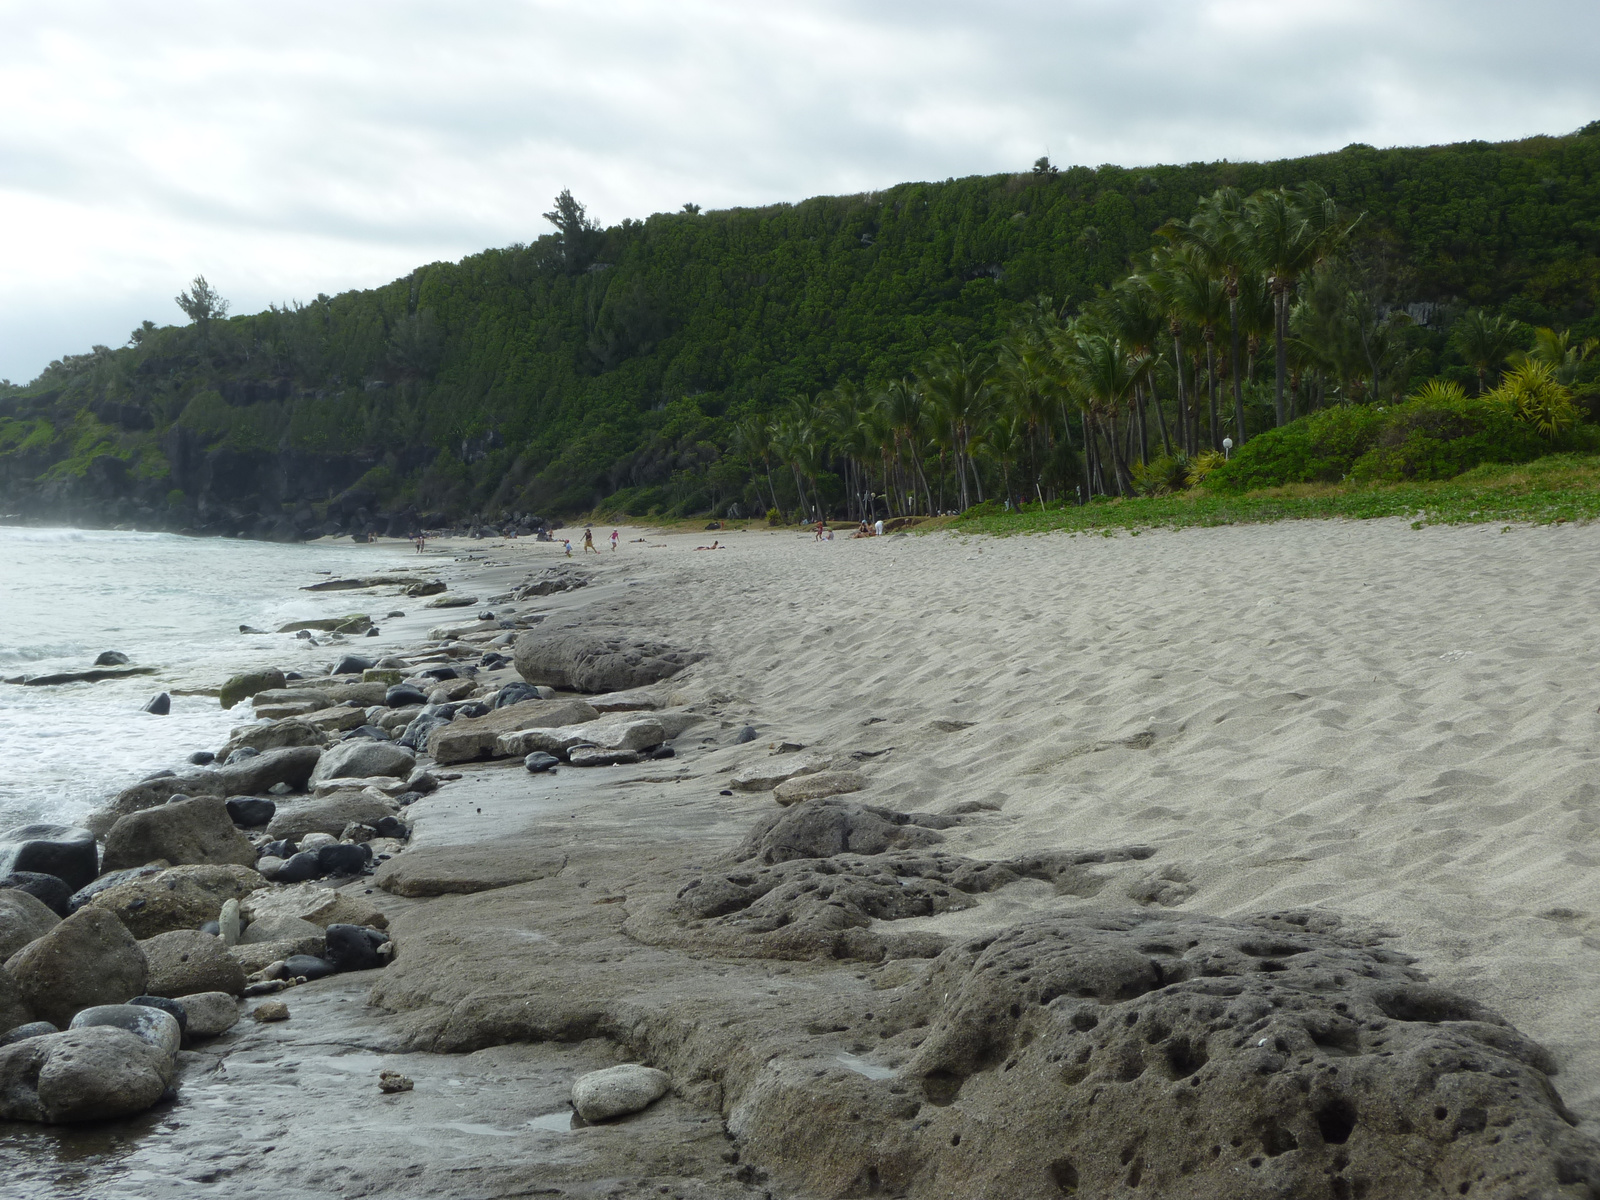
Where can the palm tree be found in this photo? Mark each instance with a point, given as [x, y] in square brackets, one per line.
[1105, 375]
[903, 407]
[1558, 352]
[1220, 235]
[1486, 342]
[1192, 294]
[1291, 231]
[957, 386]
[752, 441]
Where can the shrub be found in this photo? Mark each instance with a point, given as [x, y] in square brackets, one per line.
[1531, 392]
[1320, 448]
[1162, 475]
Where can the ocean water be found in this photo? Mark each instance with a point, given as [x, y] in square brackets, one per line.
[168, 602]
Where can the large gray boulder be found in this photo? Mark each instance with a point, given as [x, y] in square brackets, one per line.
[13, 1009]
[156, 1026]
[187, 961]
[596, 660]
[210, 1013]
[151, 792]
[291, 765]
[88, 1074]
[329, 815]
[242, 687]
[195, 831]
[88, 959]
[64, 851]
[277, 735]
[362, 759]
[178, 898]
[22, 919]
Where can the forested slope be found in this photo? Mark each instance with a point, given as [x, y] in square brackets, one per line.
[543, 378]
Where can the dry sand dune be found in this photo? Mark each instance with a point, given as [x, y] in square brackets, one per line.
[1398, 725]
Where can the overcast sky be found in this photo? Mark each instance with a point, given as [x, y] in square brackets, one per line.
[291, 148]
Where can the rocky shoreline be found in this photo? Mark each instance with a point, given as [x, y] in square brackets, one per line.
[542, 869]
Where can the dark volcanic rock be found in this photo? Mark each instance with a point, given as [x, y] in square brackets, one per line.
[64, 851]
[251, 811]
[160, 704]
[403, 695]
[111, 658]
[1194, 1057]
[515, 693]
[596, 660]
[355, 947]
[52, 892]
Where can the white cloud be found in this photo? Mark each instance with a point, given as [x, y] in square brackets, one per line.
[296, 148]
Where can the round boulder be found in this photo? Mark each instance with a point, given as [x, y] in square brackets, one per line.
[362, 760]
[22, 919]
[617, 1091]
[64, 851]
[88, 959]
[156, 1026]
[88, 1074]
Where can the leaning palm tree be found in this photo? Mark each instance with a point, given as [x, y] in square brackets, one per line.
[1486, 342]
[1291, 231]
[1558, 352]
[1105, 375]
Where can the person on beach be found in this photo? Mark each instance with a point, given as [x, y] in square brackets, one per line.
[567, 545]
[713, 546]
[421, 542]
[877, 527]
[588, 542]
[613, 541]
[822, 523]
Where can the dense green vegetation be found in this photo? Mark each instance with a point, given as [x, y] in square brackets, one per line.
[640, 367]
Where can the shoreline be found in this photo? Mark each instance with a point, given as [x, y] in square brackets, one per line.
[1038, 752]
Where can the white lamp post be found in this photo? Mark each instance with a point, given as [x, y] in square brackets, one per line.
[1227, 447]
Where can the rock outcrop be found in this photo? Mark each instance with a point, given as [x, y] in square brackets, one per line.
[596, 660]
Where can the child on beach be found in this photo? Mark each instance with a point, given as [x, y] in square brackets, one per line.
[613, 541]
[588, 542]
[567, 544]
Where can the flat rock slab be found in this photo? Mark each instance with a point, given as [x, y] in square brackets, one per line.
[95, 675]
[447, 870]
[618, 734]
[468, 738]
[597, 660]
[814, 787]
[767, 773]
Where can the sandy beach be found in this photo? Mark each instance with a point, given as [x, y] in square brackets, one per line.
[1396, 725]
[1388, 726]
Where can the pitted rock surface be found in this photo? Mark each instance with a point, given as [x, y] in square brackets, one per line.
[1186, 1057]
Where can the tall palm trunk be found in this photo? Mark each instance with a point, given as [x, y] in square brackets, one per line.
[1161, 418]
[1211, 388]
[1233, 365]
[1280, 299]
[1177, 367]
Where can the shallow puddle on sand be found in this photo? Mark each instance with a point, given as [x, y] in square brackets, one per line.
[862, 1067]
[485, 1130]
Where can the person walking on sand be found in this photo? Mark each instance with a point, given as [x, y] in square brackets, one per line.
[822, 523]
[566, 544]
[588, 542]
[613, 541]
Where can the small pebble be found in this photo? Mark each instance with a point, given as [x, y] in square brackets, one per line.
[392, 1081]
[271, 1010]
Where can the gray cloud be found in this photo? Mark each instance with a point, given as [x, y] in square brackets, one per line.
[296, 148]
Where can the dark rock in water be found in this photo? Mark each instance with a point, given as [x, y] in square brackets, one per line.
[251, 811]
[109, 880]
[65, 851]
[288, 675]
[351, 664]
[540, 761]
[304, 635]
[473, 708]
[300, 867]
[392, 615]
[493, 662]
[354, 947]
[403, 695]
[516, 693]
[392, 827]
[202, 758]
[283, 848]
[162, 774]
[160, 704]
[22, 1033]
[241, 754]
[111, 658]
[435, 716]
[370, 732]
[373, 632]
[308, 966]
[747, 734]
[171, 1007]
[250, 629]
[340, 859]
[596, 660]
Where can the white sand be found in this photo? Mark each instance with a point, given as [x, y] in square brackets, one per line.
[1397, 725]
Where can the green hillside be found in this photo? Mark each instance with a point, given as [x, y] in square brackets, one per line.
[548, 377]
